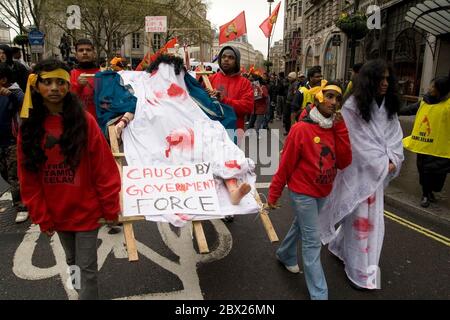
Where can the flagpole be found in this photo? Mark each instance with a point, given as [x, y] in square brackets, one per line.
[268, 39]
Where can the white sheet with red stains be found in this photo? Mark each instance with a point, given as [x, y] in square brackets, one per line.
[170, 128]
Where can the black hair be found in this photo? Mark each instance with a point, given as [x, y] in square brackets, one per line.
[442, 85]
[6, 72]
[83, 41]
[73, 139]
[312, 71]
[357, 66]
[366, 88]
[177, 63]
[8, 53]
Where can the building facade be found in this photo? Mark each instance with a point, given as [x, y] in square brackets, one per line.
[414, 53]
[277, 57]
[5, 35]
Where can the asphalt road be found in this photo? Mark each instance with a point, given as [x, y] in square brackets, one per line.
[241, 263]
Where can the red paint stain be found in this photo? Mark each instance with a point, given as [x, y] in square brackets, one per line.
[371, 200]
[182, 216]
[363, 227]
[181, 138]
[232, 164]
[175, 90]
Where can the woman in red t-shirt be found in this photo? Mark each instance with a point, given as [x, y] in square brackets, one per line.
[68, 176]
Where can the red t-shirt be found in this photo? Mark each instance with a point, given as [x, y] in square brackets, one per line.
[84, 93]
[310, 159]
[58, 198]
[237, 92]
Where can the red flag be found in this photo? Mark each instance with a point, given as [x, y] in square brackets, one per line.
[233, 29]
[268, 24]
[149, 58]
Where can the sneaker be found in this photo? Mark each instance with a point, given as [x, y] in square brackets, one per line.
[21, 216]
[424, 202]
[293, 269]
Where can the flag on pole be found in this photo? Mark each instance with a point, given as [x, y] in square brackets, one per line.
[268, 24]
[233, 29]
[149, 58]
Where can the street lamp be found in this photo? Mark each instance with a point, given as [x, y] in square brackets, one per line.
[268, 40]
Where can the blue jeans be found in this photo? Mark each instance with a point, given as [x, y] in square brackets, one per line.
[306, 228]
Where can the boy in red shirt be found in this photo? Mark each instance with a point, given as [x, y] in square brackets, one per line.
[82, 76]
[67, 174]
[315, 148]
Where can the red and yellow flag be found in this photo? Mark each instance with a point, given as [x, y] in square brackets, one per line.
[268, 24]
[233, 29]
[149, 58]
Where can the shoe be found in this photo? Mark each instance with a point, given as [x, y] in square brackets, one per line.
[431, 197]
[424, 202]
[21, 216]
[228, 219]
[292, 269]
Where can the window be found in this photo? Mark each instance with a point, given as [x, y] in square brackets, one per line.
[156, 41]
[136, 40]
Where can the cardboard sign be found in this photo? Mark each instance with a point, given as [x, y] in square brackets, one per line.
[184, 189]
[156, 24]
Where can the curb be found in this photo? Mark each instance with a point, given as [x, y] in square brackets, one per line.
[420, 212]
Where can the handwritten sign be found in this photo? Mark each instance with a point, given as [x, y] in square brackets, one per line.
[186, 189]
[156, 24]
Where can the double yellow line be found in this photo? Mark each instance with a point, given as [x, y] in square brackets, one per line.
[420, 229]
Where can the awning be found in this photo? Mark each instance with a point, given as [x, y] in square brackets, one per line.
[431, 16]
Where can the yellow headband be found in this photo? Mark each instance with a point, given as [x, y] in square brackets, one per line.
[32, 80]
[318, 91]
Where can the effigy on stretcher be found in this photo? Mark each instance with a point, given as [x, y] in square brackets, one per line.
[172, 127]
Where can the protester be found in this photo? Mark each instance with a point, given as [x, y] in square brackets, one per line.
[355, 70]
[433, 154]
[282, 87]
[82, 76]
[315, 148]
[261, 104]
[11, 97]
[357, 197]
[68, 176]
[19, 71]
[230, 87]
[17, 56]
[287, 108]
[302, 96]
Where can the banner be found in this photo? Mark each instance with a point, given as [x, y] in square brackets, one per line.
[162, 190]
[268, 24]
[233, 29]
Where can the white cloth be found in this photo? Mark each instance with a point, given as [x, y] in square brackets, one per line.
[170, 128]
[318, 118]
[357, 196]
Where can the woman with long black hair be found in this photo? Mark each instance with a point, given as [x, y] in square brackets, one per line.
[357, 197]
[68, 176]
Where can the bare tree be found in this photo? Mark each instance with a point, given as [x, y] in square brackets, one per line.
[21, 13]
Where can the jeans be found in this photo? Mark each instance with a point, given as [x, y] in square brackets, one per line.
[306, 228]
[81, 250]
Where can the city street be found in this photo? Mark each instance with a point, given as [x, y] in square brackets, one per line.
[241, 263]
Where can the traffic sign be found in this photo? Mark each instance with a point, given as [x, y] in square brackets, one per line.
[37, 48]
[36, 37]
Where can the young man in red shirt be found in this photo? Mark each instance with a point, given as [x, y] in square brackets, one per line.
[230, 87]
[82, 76]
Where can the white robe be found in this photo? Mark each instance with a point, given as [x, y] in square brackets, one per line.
[357, 196]
[164, 112]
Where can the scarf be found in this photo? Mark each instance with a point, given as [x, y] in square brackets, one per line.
[318, 118]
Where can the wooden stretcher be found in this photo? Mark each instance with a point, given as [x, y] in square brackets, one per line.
[199, 234]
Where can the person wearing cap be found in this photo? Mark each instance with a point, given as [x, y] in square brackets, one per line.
[230, 87]
[316, 147]
[301, 78]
